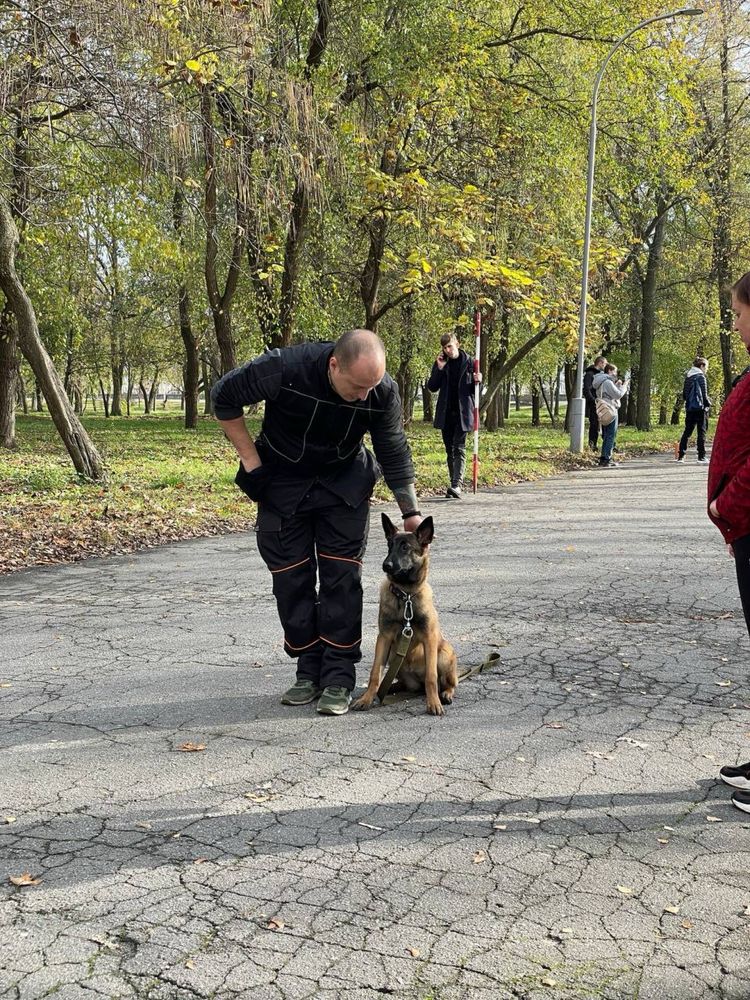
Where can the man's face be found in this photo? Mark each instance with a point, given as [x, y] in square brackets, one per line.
[601, 365]
[451, 348]
[356, 382]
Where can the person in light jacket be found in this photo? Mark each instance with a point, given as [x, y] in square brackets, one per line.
[606, 385]
[697, 403]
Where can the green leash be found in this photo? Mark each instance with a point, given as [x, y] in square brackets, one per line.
[491, 660]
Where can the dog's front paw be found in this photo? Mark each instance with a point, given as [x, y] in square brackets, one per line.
[362, 704]
[435, 708]
[446, 697]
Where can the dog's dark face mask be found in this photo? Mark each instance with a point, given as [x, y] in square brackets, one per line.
[407, 551]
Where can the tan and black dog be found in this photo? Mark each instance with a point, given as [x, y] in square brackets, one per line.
[430, 664]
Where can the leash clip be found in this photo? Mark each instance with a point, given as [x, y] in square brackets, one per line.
[407, 630]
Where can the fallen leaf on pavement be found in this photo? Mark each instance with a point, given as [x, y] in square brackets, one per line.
[190, 964]
[274, 924]
[191, 747]
[414, 952]
[624, 889]
[500, 826]
[554, 725]
[672, 909]
[9, 819]
[687, 924]
[633, 743]
[723, 684]
[662, 840]
[409, 760]
[713, 819]
[26, 879]
[479, 857]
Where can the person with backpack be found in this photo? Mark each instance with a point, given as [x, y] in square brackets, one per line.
[729, 496]
[590, 398]
[608, 390]
[697, 403]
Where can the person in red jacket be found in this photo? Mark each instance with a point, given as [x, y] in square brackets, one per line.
[729, 495]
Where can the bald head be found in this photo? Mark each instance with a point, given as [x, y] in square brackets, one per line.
[355, 344]
[357, 364]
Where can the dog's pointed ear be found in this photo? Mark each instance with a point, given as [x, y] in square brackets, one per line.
[425, 532]
[389, 527]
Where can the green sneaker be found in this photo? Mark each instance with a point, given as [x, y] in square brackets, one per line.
[334, 701]
[300, 693]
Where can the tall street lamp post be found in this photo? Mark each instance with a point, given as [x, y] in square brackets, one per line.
[577, 404]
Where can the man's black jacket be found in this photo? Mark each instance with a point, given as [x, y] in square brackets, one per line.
[309, 433]
[588, 390]
[464, 387]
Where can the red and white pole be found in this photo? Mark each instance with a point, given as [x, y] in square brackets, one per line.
[478, 337]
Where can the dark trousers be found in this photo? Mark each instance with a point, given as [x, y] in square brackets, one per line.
[593, 426]
[454, 439]
[742, 564]
[315, 558]
[694, 419]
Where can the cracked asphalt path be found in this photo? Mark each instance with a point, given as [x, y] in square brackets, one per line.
[550, 837]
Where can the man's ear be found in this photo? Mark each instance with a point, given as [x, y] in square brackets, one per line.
[389, 527]
[425, 532]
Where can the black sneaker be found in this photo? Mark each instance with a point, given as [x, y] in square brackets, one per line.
[737, 777]
[453, 492]
[300, 693]
[742, 801]
[334, 701]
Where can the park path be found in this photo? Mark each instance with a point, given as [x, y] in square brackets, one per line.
[560, 833]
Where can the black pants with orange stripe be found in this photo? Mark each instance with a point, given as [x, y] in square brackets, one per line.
[315, 558]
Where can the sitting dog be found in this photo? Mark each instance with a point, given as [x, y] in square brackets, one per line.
[430, 663]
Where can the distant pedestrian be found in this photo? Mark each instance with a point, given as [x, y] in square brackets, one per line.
[697, 404]
[609, 387]
[729, 495]
[453, 378]
[590, 398]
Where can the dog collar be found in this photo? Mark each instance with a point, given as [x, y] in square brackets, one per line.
[402, 595]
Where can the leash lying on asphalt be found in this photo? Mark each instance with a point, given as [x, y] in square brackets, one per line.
[491, 660]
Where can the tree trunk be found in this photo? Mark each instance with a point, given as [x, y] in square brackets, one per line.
[535, 401]
[84, 455]
[105, 398]
[722, 191]
[38, 405]
[677, 410]
[146, 398]
[8, 380]
[662, 413]
[220, 302]
[22, 392]
[295, 235]
[648, 320]
[427, 406]
[190, 343]
[569, 372]
[547, 402]
[517, 394]
[404, 378]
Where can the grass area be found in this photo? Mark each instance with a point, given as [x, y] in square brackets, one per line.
[166, 483]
